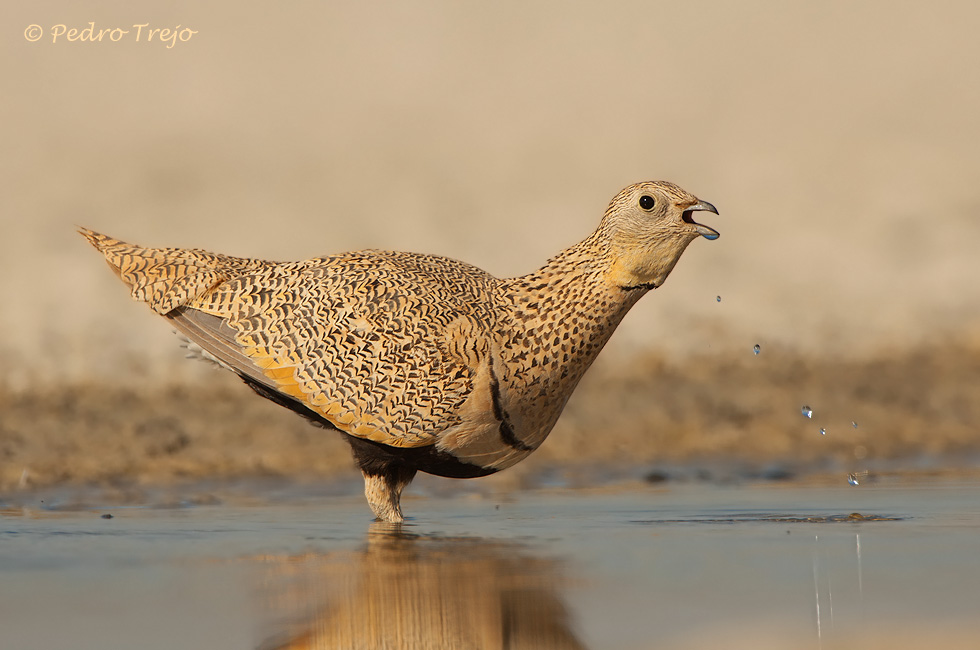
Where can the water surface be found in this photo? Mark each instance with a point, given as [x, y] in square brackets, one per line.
[674, 566]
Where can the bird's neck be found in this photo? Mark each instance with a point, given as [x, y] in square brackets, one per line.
[560, 317]
[582, 281]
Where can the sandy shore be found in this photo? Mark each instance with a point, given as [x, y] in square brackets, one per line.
[739, 411]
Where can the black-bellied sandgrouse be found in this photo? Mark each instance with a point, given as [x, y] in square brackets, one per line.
[424, 363]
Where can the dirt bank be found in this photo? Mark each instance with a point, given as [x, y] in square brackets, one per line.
[741, 410]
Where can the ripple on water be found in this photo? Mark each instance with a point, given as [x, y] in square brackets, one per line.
[774, 518]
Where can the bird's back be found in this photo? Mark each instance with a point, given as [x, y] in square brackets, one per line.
[383, 345]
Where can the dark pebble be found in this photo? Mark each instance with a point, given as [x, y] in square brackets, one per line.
[778, 474]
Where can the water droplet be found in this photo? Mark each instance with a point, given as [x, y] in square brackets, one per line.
[823, 432]
[756, 348]
[718, 298]
[857, 477]
[807, 412]
[854, 424]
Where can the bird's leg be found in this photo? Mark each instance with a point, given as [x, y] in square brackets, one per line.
[385, 476]
[384, 490]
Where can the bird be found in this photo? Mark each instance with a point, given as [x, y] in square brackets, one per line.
[423, 363]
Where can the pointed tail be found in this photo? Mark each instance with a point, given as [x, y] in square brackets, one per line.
[167, 278]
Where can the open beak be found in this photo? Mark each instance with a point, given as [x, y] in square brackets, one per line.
[704, 231]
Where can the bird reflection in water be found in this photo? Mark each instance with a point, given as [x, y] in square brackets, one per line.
[412, 591]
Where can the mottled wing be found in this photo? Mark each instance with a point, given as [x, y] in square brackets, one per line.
[383, 345]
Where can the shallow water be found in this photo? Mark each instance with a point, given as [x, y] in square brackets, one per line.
[670, 566]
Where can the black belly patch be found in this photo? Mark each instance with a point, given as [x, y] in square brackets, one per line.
[374, 457]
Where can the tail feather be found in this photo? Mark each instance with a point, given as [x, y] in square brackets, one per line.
[167, 278]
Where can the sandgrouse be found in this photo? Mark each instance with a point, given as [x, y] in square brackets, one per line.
[422, 362]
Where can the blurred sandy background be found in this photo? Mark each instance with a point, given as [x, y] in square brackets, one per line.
[839, 141]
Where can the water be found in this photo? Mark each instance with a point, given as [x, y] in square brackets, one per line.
[756, 349]
[670, 566]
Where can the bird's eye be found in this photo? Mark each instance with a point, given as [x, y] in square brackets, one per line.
[647, 202]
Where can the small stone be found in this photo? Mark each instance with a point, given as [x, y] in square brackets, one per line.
[656, 476]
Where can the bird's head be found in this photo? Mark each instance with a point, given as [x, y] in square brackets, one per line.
[648, 226]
